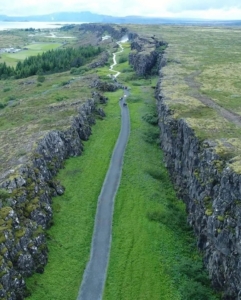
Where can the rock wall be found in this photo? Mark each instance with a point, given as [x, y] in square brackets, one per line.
[25, 202]
[116, 31]
[146, 55]
[212, 193]
[203, 180]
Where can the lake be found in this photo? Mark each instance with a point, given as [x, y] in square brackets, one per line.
[36, 25]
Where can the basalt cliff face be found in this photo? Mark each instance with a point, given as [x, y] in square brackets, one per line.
[25, 207]
[210, 189]
[212, 193]
[116, 32]
[146, 55]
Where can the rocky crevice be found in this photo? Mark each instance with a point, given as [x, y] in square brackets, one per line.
[25, 206]
[212, 193]
[210, 189]
[115, 31]
[146, 55]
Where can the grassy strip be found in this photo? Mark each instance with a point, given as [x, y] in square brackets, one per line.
[70, 237]
[151, 256]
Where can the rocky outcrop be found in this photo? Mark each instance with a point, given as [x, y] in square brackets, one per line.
[25, 202]
[210, 189]
[212, 193]
[101, 61]
[105, 86]
[115, 31]
[146, 55]
[143, 62]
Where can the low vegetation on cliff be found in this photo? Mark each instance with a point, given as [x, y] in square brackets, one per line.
[200, 82]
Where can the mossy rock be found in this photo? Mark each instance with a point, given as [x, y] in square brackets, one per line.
[2, 273]
[221, 218]
[207, 199]
[3, 228]
[30, 245]
[2, 238]
[17, 192]
[4, 250]
[20, 233]
[4, 212]
[35, 200]
[38, 231]
[208, 212]
[29, 208]
[4, 194]
[10, 264]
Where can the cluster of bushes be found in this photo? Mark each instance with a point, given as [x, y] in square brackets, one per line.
[2, 105]
[79, 71]
[52, 61]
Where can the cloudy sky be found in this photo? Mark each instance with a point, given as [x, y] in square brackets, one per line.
[208, 9]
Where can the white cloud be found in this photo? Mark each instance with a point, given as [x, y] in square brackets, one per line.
[217, 9]
[197, 5]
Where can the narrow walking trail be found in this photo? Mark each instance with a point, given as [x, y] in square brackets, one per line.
[114, 61]
[95, 273]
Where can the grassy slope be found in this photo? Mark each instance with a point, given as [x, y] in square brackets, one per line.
[70, 237]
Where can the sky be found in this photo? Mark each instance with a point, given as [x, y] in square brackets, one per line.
[205, 9]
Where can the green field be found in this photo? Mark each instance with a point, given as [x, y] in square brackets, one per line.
[33, 50]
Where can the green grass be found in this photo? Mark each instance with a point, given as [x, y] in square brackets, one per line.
[33, 50]
[150, 240]
[70, 237]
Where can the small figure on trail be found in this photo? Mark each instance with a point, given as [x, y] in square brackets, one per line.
[124, 104]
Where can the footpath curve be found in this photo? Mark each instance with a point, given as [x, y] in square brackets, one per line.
[94, 277]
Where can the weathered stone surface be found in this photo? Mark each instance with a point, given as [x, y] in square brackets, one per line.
[144, 55]
[101, 61]
[211, 191]
[27, 210]
[104, 86]
[205, 182]
[116, 32]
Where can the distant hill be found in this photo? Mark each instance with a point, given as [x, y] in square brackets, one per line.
[87, 16]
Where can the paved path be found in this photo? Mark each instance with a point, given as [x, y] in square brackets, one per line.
[114, 61]
[95, 273]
